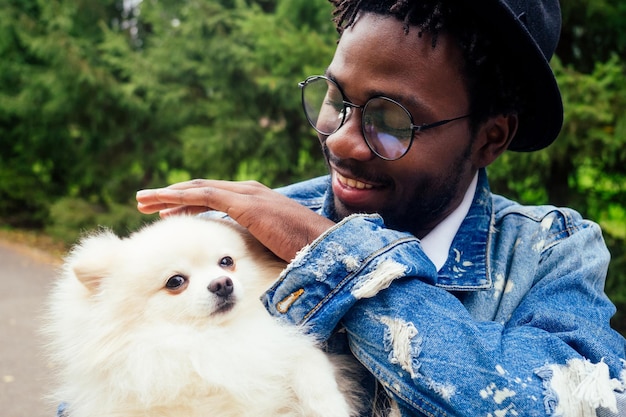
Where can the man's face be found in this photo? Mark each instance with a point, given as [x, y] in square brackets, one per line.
[375, 57]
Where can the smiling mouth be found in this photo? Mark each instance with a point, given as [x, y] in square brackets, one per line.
[352, 183]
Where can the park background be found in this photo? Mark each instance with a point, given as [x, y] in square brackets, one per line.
[101, 98]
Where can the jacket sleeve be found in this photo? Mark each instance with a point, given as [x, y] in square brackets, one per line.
[555, 355]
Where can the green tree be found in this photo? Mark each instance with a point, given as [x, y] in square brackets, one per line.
[66, 117]
[592, 32]
[245, 65]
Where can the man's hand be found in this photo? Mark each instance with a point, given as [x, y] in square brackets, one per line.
[278, 222]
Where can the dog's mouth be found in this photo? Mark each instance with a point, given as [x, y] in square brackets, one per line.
[224, 305]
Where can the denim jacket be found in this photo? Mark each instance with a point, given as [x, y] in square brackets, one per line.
[516, 322]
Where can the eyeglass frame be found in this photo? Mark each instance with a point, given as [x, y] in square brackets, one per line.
[345, 115]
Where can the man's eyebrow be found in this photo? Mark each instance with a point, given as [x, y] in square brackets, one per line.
[328, 74]
[410, 102]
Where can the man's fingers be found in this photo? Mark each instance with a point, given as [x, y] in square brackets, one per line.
[243, 187]
[177, 211]
[162, 198]
[233, 200]
[149, 208]
[199, 193]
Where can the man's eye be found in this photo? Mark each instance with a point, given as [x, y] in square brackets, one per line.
[227, 262]
[175, 282]
[334, 99]
[337, 105]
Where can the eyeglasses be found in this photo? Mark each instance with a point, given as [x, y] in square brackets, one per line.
[387, 126]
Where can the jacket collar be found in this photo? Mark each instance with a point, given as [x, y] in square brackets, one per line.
[467, 266]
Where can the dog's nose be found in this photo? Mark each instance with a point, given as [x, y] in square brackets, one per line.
[222, 286]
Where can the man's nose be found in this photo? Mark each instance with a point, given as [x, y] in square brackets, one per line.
[348, 141]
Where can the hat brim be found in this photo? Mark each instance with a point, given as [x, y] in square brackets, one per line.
[542, 121]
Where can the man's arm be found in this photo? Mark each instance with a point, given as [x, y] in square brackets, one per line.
[555, 354]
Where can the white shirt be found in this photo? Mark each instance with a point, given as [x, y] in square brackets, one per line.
[436, 244]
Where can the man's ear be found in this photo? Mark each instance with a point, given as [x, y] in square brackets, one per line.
[493, 138]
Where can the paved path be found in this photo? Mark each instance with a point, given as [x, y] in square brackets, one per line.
[25, 276]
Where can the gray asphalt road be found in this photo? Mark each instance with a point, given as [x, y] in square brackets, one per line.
[25, 276]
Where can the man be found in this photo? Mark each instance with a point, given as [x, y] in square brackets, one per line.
[458, 301]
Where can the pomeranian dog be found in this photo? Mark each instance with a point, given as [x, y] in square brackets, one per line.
[168, 322]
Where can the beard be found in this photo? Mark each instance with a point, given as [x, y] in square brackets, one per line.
[423, 209]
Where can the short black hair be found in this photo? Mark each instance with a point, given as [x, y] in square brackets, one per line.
[495, 83]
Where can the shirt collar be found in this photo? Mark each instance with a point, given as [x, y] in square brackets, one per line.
[436, 244]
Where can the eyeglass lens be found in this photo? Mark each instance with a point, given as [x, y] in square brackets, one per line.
[386, 125]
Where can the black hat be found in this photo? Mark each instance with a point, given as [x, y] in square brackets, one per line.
[532, 29]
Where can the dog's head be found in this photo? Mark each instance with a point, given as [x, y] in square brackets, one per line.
[178, 270]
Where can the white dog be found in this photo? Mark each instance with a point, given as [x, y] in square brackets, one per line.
[168, 322]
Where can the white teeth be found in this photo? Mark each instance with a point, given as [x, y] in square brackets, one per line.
[353, 183]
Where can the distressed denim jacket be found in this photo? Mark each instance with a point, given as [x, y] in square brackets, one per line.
[516, 323]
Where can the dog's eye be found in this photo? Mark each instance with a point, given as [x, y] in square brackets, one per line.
[175, 282]
[227, 262]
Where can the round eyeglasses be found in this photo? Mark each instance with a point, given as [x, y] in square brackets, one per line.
[387, 125]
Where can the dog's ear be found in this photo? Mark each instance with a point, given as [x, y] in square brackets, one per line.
[91, 260]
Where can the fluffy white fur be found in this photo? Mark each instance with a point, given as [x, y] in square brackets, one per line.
[126, 345]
